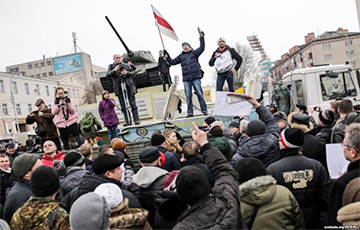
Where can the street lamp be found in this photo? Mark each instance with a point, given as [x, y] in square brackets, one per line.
[13, 101]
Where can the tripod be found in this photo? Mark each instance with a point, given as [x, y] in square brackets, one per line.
[124, 92]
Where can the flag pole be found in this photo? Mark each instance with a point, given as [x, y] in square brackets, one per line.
[162, 42]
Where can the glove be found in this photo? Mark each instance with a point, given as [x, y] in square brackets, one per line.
[60, 167]
[201, 33]
[166, 53]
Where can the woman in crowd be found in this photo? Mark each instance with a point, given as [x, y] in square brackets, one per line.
[171, 142]
[108, 114]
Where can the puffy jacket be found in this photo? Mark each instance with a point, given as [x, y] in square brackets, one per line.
[190, 66]
[72, 179]
[147, 182]
[48, 161]
[222, 143]
[46, 120]
[221, 209]
[116, 79]
[278, 208]
[107, 112]
[264, 147]
[64, 117]
[307, 179]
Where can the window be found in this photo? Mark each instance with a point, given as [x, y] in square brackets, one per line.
[37, 89]
[26, 86]
[328, 56]
[335, 85]
[30, 66]
[350, 53]
[352, 63]
[14, 70]
[29, 108]
[42, 64]
[44, 74]
[48, 63]
[47, 90]
[32, 76]
[18, 109]
[36, 65]
[2, 86]
[69, 92]
[38, 75]
[5, 109]
[78, 93]
[14, 87]
[73, 93]
[326, 46]
[348, 42]
[300, 92]
[51, 74]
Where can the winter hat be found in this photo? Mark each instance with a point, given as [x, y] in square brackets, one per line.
[74, 158]
[352, 192]
[82, 215]
[192, 185]
[216, 131]
[119, 146]
[111, 192]
[209, 120]
[350, 118]
[300, 118]
[326, 117]
[221, 40]
[235, 124]
[185, 43]
[302, 107]
[39, 101]
[169, 183]
[22, 164]
[292, 138]
[249, 168]
[280, 115]
[149, 154]
[157, 139]
[8, 145]
[106, 162]
[44, 181]
[255, 127]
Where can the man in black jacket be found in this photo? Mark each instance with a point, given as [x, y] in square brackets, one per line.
[121, 76]
[351, 147]
[163, 67]
[306, 178]
[222, 58]
[216, 208]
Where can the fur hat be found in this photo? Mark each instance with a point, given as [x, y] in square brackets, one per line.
[326, 117]
[218, 123]
[74, 158]
[149, 154]
[22, 164]
[255, 127]
[111, 192]
[157, 139]
[352, 192]
[292, 138]
[44, 181]
[300, 121]
[249, 168]
[192, 185]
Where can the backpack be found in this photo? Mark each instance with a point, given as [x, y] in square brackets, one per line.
[87, 122]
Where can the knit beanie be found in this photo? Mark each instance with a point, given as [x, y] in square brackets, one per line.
[350, 118]
[119, 146]
[209, 120]
[235, 124]
[352, 192]
[185, 43]
[157, 139]
[44, 181]
[22, 164]
[106, 162]
[292, 138]
[192, 185]
[74, 158]
[255, 127]
[149, 154]
[326, 117]
[169, 183]
[216, 131]
[111, 192]
[249, 168]
[82, 215]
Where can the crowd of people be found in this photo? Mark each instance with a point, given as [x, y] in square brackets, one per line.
[270, 173]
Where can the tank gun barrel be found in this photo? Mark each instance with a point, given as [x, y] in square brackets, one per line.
[118, 35]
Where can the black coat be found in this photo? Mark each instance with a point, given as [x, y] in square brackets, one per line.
[116, 79]
[171, 161]
[337, 190]
[89, 183]
[307, 179]
[313, 149]
[6, 182]
[324, 135]
[17, 196]
[199, 162]
[221, 209]
[163, 66]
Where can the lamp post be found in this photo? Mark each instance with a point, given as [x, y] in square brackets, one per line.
[13, 102]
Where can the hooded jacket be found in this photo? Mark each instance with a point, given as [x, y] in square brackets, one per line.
[264, 147]
[72, 179]
[107, 112]
[40, 213]
[48, 161]
[278, 208]
[221, 209]
[46, 120]
[307, 179]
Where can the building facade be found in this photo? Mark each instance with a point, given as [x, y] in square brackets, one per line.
[18, 94]
[331, 47]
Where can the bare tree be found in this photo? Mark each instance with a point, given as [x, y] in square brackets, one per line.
[93, 89]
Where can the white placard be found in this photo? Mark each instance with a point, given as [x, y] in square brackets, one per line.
[224, 61]
[231, 105]
[336, 162]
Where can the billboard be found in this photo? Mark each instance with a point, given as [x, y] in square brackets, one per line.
[67, 64]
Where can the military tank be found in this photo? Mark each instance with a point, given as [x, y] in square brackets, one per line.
[146, 73]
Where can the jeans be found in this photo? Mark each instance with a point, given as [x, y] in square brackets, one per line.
[133, 106]
[166, 79]
[113, 131]
[229, 77]
[198, 91]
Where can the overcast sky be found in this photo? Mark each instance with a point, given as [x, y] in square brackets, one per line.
[32, 28]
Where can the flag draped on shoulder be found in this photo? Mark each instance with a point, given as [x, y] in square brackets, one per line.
[163, 25]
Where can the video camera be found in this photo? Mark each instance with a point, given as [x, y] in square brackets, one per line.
[121, 65]
[66, 99]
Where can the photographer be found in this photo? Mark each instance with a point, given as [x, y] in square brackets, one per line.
[120, 72]
[65, 117]
[46, 128]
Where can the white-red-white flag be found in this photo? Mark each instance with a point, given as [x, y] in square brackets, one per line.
[163, 25]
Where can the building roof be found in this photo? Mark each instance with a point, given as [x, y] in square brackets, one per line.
[97, 68]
